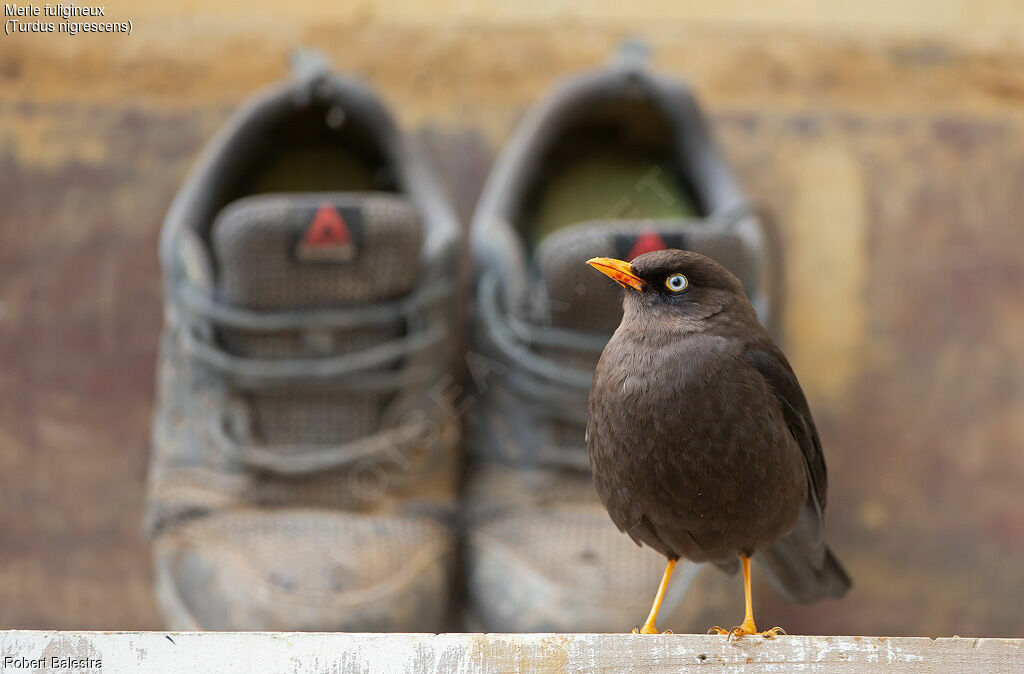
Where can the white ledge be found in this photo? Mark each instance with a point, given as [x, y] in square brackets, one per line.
[302, 652]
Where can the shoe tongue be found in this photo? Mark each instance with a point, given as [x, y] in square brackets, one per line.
[288, 251]
[298, 251]
[575, 296]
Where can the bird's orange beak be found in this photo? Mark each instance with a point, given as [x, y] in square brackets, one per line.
[617, 270]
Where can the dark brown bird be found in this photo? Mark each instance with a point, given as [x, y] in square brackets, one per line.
[701, 441]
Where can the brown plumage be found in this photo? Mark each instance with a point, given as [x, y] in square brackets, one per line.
[701, 440]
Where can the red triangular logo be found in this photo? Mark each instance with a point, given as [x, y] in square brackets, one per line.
[647, 241]
[328, 229]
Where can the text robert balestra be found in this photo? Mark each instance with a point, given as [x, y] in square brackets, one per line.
[52, 662]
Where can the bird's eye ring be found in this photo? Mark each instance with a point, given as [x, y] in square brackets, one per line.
[677, 283]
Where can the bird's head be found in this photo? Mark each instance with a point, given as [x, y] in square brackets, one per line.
[677, 282]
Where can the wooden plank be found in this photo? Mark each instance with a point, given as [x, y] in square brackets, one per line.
[297, 653]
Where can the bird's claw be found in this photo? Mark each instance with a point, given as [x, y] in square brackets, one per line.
[733, 634]
[740, 630]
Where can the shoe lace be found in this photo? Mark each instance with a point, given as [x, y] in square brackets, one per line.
[370, 370]
[555, 392]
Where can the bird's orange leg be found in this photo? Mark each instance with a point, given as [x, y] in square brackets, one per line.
[649, 625]
[747, 626]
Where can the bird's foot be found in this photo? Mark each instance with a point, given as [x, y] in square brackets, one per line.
[745, 629]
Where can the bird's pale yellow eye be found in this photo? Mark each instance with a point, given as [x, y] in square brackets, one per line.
[676, 283]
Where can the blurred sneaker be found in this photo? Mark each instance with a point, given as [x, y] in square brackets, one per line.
[302, 478]
[615, 163]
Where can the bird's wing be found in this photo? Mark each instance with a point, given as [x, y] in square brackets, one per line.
[800, 565]
[769, 360]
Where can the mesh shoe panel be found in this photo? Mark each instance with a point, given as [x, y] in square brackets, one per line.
[255, 242]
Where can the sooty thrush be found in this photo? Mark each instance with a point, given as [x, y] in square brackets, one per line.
[701, 440]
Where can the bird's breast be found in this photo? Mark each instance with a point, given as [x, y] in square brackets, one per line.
[688, 435]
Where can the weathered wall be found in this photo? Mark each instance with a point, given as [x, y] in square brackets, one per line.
[888, 141]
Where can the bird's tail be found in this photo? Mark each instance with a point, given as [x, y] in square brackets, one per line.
[794, 573]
